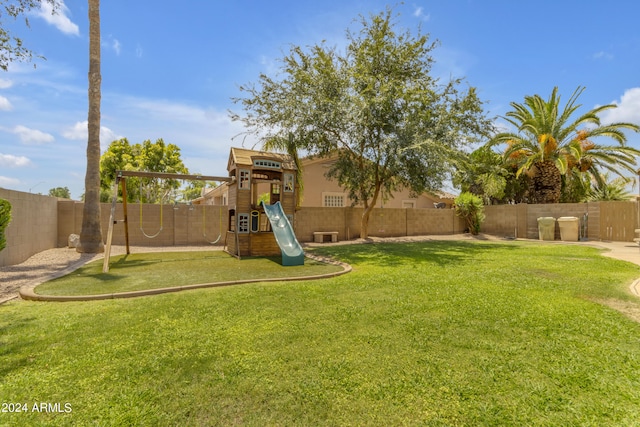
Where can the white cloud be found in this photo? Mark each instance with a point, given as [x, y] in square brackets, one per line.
[602, 55]
[139, 51]
[11, 161]
[8, 182]
[80, 132]
[5, 104]
[59, 18]
[419, 13]
[167, 110]
[5, 84]
[32, 136]
[116, 46]
[112, 43]
[628, 108]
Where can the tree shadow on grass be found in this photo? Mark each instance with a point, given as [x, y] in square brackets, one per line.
[9, 349]
[441, 253]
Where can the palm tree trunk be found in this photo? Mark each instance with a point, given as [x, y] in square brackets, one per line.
[547, 183]
[91, 234]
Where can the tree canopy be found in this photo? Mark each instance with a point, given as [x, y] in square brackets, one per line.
[375, 107]
[147, 156]
[62, 192]
[484, 173]
[11, 47]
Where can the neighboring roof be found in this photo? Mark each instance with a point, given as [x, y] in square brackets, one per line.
[244, 157]
[445, 196]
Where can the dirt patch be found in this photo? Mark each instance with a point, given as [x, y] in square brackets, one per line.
[629, 309]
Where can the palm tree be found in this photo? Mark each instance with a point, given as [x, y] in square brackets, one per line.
[91, 233]
[611, 189]
[549, 142]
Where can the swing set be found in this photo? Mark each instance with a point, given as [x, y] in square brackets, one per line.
[121, 177]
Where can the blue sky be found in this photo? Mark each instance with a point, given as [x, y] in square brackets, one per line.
[170, 69]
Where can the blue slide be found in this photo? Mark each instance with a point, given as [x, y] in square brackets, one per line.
[292, 253]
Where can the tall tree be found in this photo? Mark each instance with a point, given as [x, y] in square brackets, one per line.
[549, 141]
[11, 47]
[119, 156]
[149, 157]
[91, 233]
[376, 107]
[611, 189]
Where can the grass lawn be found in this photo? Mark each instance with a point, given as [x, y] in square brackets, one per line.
[433, 333]
[143, 271]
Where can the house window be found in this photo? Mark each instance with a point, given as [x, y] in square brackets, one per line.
[245, 179]
[409, 204]
[333, 200]
[288, 183]
[243, 223]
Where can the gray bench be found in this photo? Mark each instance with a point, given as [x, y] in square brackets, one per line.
[318, 236]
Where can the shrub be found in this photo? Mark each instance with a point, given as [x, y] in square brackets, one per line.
[5, 218]
[470, 207]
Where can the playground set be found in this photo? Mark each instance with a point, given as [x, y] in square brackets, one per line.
[256, 228]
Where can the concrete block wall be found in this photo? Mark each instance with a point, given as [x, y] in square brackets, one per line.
[433, 221]
[308, 220]
[386, 222]
[199, 225]
[502, 220]
[67, 220]
[383, 222]
[33, 227]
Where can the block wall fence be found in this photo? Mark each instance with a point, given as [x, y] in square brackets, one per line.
[41, 222]
[33, 227]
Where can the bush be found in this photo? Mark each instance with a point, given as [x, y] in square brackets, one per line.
[5, 218]
[470, 207]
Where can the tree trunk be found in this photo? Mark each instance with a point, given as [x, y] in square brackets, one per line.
[368, 208]
[547, 183]
[91, 233]
[364, 222]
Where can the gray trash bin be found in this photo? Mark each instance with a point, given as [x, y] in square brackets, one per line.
[546, 228]
[569, 228]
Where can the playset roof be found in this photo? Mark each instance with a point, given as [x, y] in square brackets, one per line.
[244, 157]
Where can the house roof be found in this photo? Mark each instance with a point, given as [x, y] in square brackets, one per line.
[244, 157]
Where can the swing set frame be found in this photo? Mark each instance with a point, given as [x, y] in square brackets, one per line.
[121, 179]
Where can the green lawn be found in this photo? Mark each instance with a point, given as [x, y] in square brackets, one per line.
[433, 333]
[143, 271]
